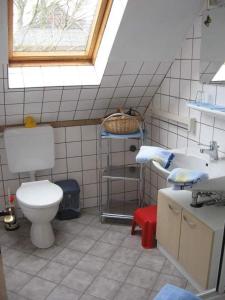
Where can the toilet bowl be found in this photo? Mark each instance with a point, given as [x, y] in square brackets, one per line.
[39, 201]
[30, 150]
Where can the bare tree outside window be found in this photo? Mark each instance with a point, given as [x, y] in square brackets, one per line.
[48, 25]
[59, 32]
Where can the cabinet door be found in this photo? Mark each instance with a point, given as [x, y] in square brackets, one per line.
[168, 225]
[195, 248]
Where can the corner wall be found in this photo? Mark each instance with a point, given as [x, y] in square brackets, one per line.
[179, 86]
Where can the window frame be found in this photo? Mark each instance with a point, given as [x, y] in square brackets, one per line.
[61, 58]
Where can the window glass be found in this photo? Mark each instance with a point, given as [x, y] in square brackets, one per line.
[51, 25]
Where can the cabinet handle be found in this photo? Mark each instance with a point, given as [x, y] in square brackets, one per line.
[173, 209]
[191, 224]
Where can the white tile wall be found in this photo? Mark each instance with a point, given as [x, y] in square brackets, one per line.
[180, 85]
[76, 158]
[128, 84]
[124, 83]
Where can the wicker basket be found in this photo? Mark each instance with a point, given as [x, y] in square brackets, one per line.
[121, 123]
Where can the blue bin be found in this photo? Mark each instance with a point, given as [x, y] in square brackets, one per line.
[69, 207]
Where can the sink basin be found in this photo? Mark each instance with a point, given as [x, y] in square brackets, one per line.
[191, 158]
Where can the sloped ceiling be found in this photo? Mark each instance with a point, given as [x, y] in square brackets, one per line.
[147, 42]
[154, 29]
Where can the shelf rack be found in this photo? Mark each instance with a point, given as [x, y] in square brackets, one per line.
[212, 109]
[109, 173]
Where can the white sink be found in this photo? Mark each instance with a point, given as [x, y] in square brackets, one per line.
[191, 158]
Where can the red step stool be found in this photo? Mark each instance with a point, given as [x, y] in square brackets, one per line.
[146, 218]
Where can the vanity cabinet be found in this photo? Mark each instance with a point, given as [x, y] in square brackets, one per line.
[195, 247]
[168, 226]
[190, 237]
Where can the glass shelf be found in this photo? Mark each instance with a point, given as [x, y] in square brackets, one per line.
[122, 172]
[213, 109]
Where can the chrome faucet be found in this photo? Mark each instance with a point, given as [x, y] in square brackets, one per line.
[212, 150]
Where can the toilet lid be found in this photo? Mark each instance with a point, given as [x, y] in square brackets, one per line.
[39, 193]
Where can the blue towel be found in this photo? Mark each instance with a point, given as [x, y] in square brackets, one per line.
[106, 134]
[185, 177]
[171, 292]
[149, 153]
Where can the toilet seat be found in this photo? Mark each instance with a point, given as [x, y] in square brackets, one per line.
[39, 194]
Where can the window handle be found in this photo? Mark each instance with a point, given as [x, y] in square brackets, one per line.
[191, 224]
[176, 211]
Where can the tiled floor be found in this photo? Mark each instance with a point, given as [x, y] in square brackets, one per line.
[89, 261]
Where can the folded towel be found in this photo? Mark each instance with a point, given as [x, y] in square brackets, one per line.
[171, 292]
[149, 153]
[185, 177]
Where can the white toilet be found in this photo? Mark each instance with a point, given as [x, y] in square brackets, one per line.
[30, 150]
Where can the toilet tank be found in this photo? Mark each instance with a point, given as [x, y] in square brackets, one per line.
[29, 149]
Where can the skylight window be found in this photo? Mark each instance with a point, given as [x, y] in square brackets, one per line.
[58, 31]
[220, 75]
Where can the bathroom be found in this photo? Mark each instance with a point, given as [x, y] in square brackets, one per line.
[153, 61]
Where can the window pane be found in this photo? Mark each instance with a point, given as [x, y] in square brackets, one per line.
[47, 25]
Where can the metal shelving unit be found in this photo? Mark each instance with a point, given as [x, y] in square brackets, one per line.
[110, 172]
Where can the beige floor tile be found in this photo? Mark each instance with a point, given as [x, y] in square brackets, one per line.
[96, 222]
[92, 232]
[12, 257]
[9, 239]
[31, 264]
[62, 238]
[78, 280]
[133, 242]
[104, 288]
[84, 249]
[103, 250]
[54, 272]
[164, 279]
[48, 253]
[72, 227]
[125, 255]
[68, 226]
[64, 293]
[128, 292]
[24, 245]
[126, 229]
[113, 237]
[68, 257]
[15, 280]
[142, 278]
[115, 270]
[91, 264]
[89, 297]
[81, 243]
[14, 296]
[170, 269]
[37, 289]
[151, 262]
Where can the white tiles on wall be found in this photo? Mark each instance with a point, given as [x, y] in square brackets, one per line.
[124, 83]
[76, 158]
[180, 85]
[128, 84]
